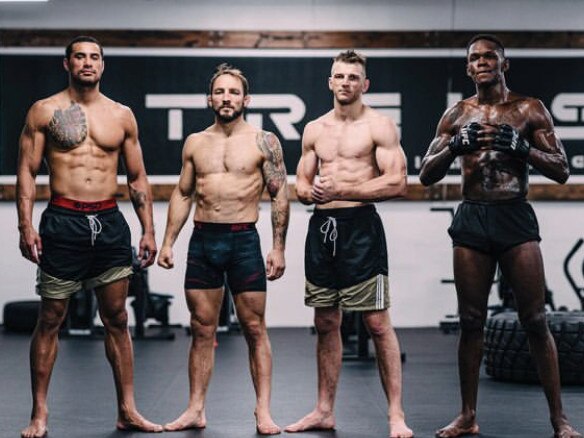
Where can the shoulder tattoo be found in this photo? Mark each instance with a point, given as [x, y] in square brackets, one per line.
[68, 127]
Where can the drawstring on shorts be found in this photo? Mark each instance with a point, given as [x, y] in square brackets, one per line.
[95, 226]
[332, 234]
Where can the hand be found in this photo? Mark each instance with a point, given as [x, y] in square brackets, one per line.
[466, 141]
[325, 189]
[507, 139]
[166, 258]
[275, 264]
[147, 252]
[31, 246]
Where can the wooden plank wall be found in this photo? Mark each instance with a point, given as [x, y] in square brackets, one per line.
[302, 40]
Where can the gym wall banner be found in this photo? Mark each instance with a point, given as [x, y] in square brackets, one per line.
[166, 88]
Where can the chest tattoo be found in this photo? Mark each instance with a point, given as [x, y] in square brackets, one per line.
[68, 127]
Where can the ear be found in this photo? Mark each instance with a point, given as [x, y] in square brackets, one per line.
[66, 64]
[209, 103]
[246, 100]
[506, 64]
[330, 83]
[468, 73]
[366, 84]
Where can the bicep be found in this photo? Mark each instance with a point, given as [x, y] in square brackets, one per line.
[31, 145]
[273, 168]
[308, 163]
[131, 149]
[543, 135]
[186, 181]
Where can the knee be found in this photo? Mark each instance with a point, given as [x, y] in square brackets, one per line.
[472, 323]
[535, 323]
[203, 330]
[327, 324]
[253, 330]
[378, 330]
[50, 322]
[117, 321]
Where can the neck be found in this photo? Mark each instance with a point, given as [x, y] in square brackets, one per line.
[351, 111]
[492, 93]
[83, 94]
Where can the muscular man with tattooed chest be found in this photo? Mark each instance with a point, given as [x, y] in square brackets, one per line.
[497, 135]
[83, 239]
[225, 168]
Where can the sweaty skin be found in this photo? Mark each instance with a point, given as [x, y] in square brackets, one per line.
[81, 134]
[225, 169]
[490, 175]
[351, 156]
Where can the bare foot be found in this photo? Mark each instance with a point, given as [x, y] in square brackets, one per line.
[567, 431]
[265, 425]
[136, 422]
[314, 421]
[190, 419]
[399, 429]
[460, 426]
[36, 429]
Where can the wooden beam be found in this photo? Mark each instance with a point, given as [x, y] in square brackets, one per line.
[291, 40]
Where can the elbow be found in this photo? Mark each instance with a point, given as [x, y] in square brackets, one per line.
[425, 180]
[563, 177]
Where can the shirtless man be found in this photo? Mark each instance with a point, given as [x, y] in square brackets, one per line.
[83, 240]
[226, 167]
[497, 134]
[357, 154]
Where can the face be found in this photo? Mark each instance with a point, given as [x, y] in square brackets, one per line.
[85, 65]
[348, 82]
[485, 64]
[227, 100]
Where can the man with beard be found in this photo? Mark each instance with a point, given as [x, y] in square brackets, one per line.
[357, 154]
[497, 134]
[83, 239]
[226, 167]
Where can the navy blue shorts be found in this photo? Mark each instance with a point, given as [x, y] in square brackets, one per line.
[493, 228]
[220, 253]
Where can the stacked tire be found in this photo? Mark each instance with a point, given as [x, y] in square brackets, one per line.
[507, 354]
[20, 316]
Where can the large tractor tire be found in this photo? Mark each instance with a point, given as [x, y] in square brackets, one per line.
[20, 316]
[507, 354]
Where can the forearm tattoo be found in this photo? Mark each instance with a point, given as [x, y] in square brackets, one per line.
[68, 127]
[273, 169]
[280, 217]
[138, 199]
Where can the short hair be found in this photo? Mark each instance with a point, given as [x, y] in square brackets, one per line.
[351, 57]
[489, 37]
[226, 69]
[82, 39]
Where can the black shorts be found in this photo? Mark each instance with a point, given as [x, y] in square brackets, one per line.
[493, 228]
[345, 259]
[85, 244]
[225, 252]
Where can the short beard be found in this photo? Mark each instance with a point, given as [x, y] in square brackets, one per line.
[84, 84]
[227, 119]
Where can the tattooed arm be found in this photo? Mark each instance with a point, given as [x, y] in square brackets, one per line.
[139, 189]
[274, 174]
[30, 155]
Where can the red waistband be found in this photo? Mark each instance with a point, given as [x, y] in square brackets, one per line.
[215, 226]
[72, 204]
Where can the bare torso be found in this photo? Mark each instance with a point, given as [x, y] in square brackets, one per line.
[489, 175]
[346, 150]
[83, 145]
[228, 177]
